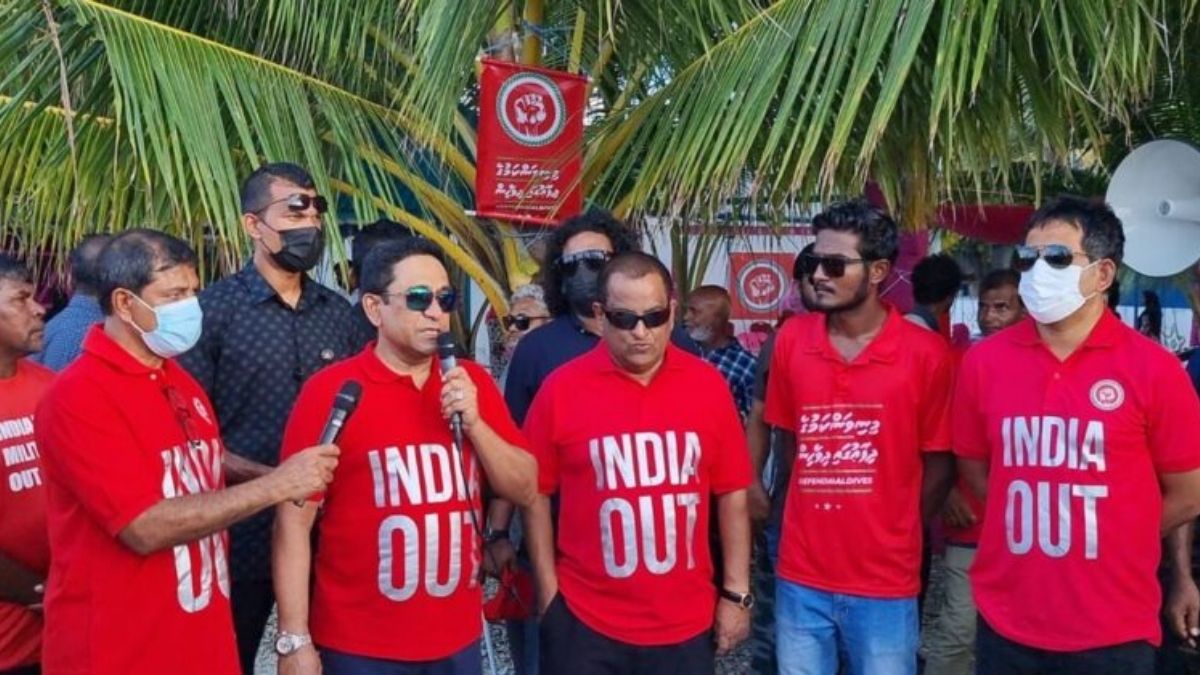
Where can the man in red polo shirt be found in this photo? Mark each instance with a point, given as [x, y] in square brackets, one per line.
[1085, 437]
[866, 395]
[136, 503]
[24, 549]
[397, 572]
[636, 437]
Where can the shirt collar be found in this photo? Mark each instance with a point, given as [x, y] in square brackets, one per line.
[99, 344]
[1104, 334]
[377, 371]
[882, 349]
[260, 291]
[601, 360]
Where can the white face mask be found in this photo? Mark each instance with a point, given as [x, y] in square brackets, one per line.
[1052, 295]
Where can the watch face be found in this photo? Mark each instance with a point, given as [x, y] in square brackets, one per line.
[747, 601]
[285, 645]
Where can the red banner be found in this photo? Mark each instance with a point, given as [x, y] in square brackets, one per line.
[530, 147]
[758, 283]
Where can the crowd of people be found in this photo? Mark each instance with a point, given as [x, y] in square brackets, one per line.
[174, 472]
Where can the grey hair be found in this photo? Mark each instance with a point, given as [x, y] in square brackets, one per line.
[529, 292]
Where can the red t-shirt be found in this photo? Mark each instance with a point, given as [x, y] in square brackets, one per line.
[1071, 538]
[397, 570]
[116, 438]
[634, 467]
[22, 507]
[852, 521]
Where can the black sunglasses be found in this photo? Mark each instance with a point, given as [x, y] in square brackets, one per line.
[627, 320]
[520, 321]
[1057, 256]
[300, 202]
[834, 265]
[420, 298]
[593, 259]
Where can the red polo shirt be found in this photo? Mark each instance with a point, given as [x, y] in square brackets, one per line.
[1071, 538]
[116, 438]
[852, 522]
[22, 507]
[397, 570]
[634, 467]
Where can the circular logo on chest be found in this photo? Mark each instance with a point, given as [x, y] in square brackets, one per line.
[1107, 395]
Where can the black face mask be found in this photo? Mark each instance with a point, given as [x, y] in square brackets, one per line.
[581, 290]
[301, 249]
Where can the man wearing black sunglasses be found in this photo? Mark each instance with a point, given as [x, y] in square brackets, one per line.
[1084, 436]
[267, 328]
[397, 587]
[865, 396]
[627, 585]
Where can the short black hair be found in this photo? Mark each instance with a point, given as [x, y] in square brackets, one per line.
[256, 189]
[133, 257]
[12, 269]
[370, 236]
[84, 261]
[797, 264]
[601, 222]
[635, 265]
[877, 233]
[1103, 234]
[379, 267]
[936, 278]
[1000, 278]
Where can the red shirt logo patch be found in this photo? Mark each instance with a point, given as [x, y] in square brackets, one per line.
[1107, 395]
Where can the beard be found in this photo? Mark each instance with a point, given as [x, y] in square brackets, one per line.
[860, 296]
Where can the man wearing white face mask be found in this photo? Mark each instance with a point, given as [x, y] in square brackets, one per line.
[136, 500]
[1085, 438]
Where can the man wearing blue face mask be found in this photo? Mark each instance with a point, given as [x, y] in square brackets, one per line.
[137, 505]
[266, 330]
[1084, 437]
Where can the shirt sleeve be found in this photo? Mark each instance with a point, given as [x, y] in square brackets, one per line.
[780, 408]
[731, 471]
[306, 420]
[1173, 420]
[521, 384]
[969, 436]
[88, 448]
[934, 410]
[539, 431]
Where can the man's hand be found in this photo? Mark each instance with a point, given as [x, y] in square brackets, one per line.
[758, 503]
[1182, 609]
[956, 512]
[304, 661]
[306, 473]
[731, 627]
[459, 395]
[499, 556]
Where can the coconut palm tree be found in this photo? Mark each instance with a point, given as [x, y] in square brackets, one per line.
[121, 112]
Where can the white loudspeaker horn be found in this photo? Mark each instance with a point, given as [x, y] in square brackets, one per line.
[1155, 191]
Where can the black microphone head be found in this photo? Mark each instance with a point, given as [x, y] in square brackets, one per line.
[446, 348]
[347, 397]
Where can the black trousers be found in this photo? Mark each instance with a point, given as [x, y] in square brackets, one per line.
[35, 669]
[568, 647]
[251, 601]
[997, 655]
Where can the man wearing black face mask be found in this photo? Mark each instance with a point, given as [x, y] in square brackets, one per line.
[575, 255]
[266, 330]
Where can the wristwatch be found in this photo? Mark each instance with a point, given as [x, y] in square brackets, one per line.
[491, 536]
[290, 643]
[743, 600]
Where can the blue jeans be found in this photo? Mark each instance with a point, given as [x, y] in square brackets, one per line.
[822, 633]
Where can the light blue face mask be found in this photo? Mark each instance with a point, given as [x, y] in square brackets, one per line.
[178, 327]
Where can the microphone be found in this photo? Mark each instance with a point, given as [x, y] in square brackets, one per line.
[343, 406]
[445, 350]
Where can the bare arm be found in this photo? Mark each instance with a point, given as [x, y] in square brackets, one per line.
[178, 520]
[539, 539]
[975, 473]
[238, 469]
[291, 564]
[758, 437]
[18, 583]
[936, 481]
[734, 522]
[1182, 603]
[1181, 498]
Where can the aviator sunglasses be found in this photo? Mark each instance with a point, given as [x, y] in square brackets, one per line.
[420, 298]
[627, 320]
[834, 265]
[1057, 256]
